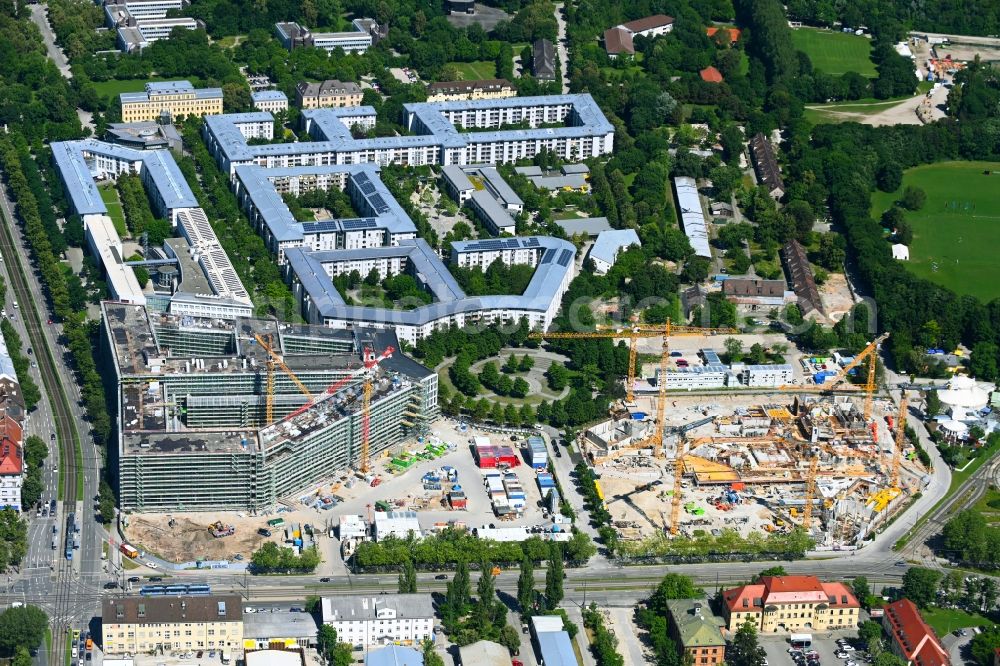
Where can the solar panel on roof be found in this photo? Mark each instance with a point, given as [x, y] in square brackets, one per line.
[548, 256]
[361, 223]
[565, 258]
[378, 203]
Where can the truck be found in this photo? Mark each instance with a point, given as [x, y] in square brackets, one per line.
[128, 551]
[219, 530]
[276, 522]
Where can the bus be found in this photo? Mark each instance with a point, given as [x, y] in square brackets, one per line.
[70, 533]
[128, 551]
[801, 641]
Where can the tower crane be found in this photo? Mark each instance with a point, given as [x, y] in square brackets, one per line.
[869, 352]
[274, 359]
[366, 373]
[633, 333]
[897, 452]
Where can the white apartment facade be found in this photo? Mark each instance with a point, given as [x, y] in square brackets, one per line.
[364, 622]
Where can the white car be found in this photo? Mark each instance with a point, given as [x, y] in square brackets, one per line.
[249, 609]
[847, 647]
[152, 565]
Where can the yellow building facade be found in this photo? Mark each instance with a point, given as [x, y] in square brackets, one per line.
[174, 98]
[140, 625]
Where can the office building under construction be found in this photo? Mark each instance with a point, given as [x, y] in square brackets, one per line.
[236, 414]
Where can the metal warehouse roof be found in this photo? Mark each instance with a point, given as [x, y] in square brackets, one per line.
[692, 216]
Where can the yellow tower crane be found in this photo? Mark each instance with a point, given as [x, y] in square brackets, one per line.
[273, 359]
[897, 453]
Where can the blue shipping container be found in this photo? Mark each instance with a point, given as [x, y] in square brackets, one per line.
[638, 416]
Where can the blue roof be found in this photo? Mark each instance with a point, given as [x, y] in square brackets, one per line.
[394, 655]
[269, 96]
[556, 649]
[333, 136]
[158, 169]
[554, 268]
[610, 243]
[374, 201]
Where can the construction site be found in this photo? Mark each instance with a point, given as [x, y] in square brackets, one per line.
[830, 458]
[236, 415]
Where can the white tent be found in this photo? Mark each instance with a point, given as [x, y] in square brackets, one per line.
[900, 252]
[962, 394]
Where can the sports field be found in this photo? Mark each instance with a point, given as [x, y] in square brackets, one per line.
[956, 234]
[835, 53]
[474, 71]
[110, 197]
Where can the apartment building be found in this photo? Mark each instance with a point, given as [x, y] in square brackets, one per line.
[173, 99]
[784, 604]
[272, 101]
[447, 91]
[330, 93]
[137, 625]
[11, 472]
[697, 632]
[365, 622]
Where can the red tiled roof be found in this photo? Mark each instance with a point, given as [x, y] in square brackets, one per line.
[788, 589]
[10, 458]
[648, 23]
[711, 74]
[10, 429]
[617, 41]
[734, 33]
[915, 640]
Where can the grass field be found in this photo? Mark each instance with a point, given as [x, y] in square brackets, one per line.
[110, 196]
[835, 53]
[114, 87]
[958, 229]
[472, 71]
[946, 620]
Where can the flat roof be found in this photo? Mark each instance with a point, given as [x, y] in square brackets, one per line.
[591, 226]
[492, 209]
[121, 278]
[692, 216]
[363, 607]
[279, 623]
[556, 649]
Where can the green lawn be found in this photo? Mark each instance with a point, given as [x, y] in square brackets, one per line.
[946, 620]
[835, 53]
[828, 113]
[472, 71]
[956, 232]
[114, 87]
[110, 196]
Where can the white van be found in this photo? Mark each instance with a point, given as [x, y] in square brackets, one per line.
[15, 305]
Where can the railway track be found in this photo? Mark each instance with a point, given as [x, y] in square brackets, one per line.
[62, 602]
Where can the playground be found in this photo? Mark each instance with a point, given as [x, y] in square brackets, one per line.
[955, 233]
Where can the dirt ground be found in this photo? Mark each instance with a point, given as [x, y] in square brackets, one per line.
[188, 538]
[836, 296]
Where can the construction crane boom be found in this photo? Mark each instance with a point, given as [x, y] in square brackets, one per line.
[897, 453]
[810, 491]
[273, 359]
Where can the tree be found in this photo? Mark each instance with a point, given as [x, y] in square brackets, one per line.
[554, 579]
[776, 570]
[526, 586]
[893, 217]
[914, 198]
[889, 177]
[920, 585]
[734, 349]
[933, 404]
[106, 502]
[757, 355]
[483, 611]
[887, 659]
[23, 626]
[870, 631]
[22, 657]
[695, 269]
[408, 578]
[519, 388]
[984, 645]
[860, 588]
[336, 653]
[431, 657]
[983, 362]
[745, 650]
[510, 365]
[673, 586]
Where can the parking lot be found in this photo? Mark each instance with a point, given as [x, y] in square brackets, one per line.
[824, 645]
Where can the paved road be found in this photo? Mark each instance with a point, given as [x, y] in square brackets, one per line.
[66, 589]
[40, 18]
[561, 47]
